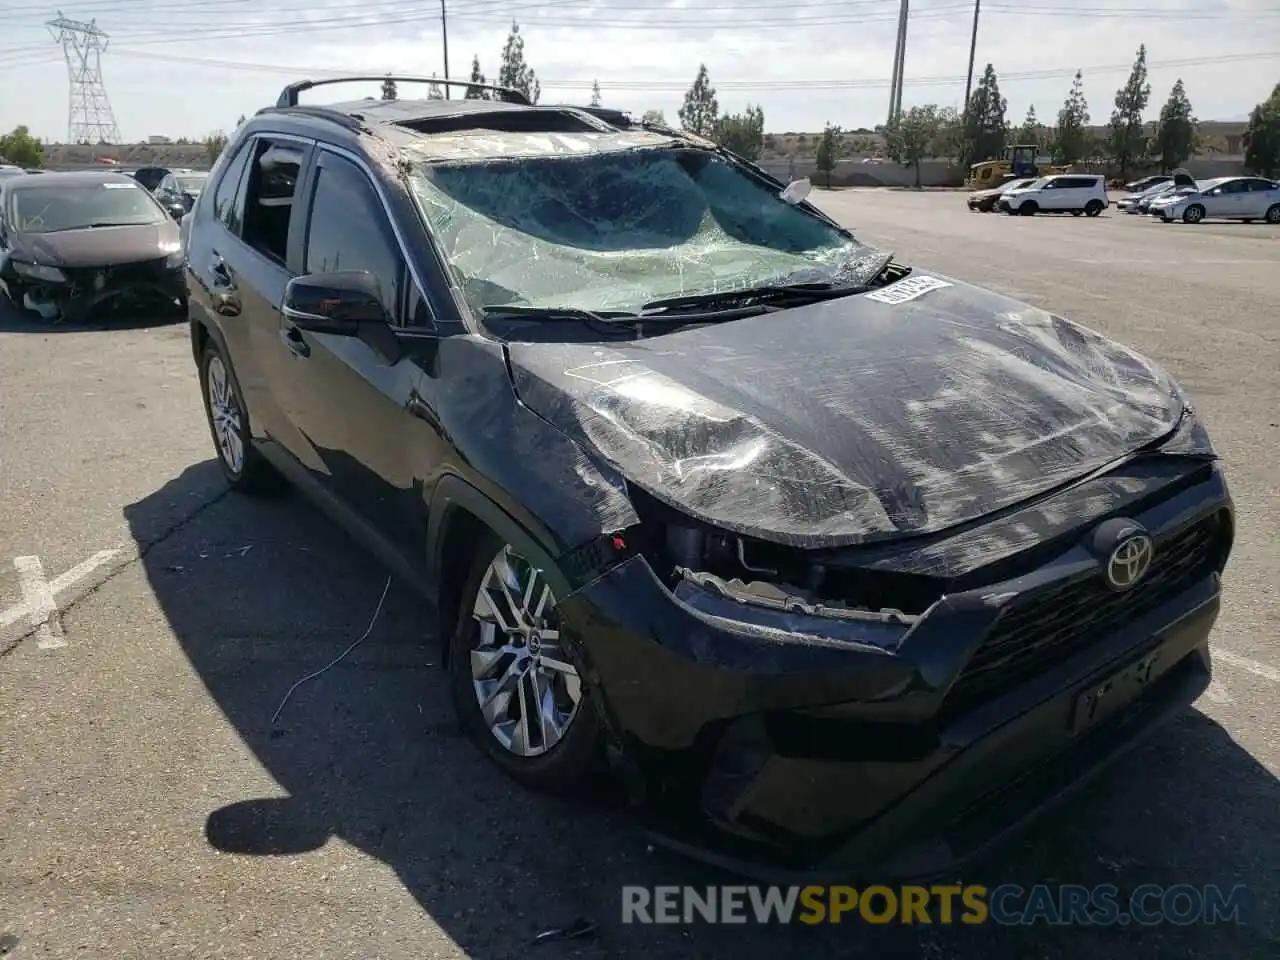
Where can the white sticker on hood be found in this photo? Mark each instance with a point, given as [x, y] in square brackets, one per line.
[907, 289]
[119, 186]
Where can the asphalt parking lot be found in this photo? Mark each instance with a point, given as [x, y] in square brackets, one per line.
[151, 623]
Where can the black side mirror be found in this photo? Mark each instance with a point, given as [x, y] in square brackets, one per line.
[347, 303]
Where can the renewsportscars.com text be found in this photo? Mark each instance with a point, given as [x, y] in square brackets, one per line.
[1006, 905]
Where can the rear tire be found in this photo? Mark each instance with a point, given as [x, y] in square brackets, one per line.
[1273, 213]
[1093, 208]
[1193, 214]
[242, 465]
[508, 668]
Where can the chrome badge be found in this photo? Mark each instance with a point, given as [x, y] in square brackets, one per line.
[1129, 561]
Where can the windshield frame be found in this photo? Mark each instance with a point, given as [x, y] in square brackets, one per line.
[11, 203]
[472, 317]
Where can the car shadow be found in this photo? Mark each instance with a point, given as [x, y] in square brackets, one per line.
[262, 592]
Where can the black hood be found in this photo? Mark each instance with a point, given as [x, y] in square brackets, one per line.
[99, 246]
[856, 419]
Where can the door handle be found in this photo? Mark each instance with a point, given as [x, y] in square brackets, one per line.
[221, 274]
[292, 338]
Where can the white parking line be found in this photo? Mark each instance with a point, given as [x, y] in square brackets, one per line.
[1244, 663]
[39, 596]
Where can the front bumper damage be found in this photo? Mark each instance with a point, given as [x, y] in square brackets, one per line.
[155, 284]
[794, 747]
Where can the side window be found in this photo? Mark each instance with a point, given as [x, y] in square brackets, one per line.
[167, 186]
[1235, 186]
[348, 229]
[228, 200]
[268, 197]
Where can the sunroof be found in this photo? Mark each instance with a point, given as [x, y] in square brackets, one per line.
[506, 121]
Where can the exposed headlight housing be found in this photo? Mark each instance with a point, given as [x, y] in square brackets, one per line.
[38, 271]
[1190, 438]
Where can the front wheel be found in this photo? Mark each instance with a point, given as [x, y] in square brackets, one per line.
[1193, 214]
[1028, 209]
[1076, 213]
[514, 678]
[1093, 208]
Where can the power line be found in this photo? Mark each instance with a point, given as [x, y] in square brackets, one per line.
[1052, 73]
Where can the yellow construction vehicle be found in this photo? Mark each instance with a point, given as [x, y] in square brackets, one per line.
[1020, 160]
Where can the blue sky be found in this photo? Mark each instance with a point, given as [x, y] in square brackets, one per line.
[182, 67]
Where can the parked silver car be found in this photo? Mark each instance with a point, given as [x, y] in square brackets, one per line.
[1226, 198]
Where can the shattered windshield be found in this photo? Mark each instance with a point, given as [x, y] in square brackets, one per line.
[613, 230]
[60, 206]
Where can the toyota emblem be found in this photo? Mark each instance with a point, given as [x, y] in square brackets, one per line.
[1129, 561]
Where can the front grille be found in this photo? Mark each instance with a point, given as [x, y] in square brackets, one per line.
[120, 275]
[1041, 629]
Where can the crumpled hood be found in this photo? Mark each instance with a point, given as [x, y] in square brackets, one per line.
[856, 419]
[101, 246]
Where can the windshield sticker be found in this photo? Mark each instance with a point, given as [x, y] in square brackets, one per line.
[119, 186]
[907, 289]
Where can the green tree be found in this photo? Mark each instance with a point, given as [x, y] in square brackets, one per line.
[514, 73]
[595, 93]
[1261, 139]
[1127, 140]
[911, 136]
[388, 88]
[1176, 135]
[1031, 132]
[214, 144]
[948, 143]
[743, 133]
[984, 126]
[701, 111]
[828, 151]
[18, 146]
[654, 116]
[476, 77]
[1071, 140]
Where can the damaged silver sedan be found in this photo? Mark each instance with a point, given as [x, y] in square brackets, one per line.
[74, 243]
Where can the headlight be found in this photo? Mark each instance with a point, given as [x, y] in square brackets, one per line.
[1190, 439]
[175, 259]
[38, 272]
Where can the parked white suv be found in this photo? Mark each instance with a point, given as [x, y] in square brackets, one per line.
[1073, 193]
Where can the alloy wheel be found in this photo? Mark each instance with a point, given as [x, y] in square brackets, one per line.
[527, 687]
[225, 415]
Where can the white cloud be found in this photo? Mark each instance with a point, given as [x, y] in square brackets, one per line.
[805, 62]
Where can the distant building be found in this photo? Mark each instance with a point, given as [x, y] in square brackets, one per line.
[158, 140]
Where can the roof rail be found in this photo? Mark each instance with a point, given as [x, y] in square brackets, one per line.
[289, 95]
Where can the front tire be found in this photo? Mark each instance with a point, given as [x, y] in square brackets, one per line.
[1193, 214]
[242, 465]
[513, 677]
[1029, 209]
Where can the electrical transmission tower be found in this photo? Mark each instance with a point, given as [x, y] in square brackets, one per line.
[89, 116]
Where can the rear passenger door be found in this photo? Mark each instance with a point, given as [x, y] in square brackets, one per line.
[348, 405]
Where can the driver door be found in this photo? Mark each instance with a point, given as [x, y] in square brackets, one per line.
[348, 405]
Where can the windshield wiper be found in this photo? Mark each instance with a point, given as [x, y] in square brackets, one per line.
[517, 311]
[858, 276]
[116, 223]
[753, 296]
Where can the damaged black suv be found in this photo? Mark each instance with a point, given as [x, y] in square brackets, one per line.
[840, 563]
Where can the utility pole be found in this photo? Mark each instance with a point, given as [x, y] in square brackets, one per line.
[89, 115]
[444, 31]
[973, 47]
[899, 64]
